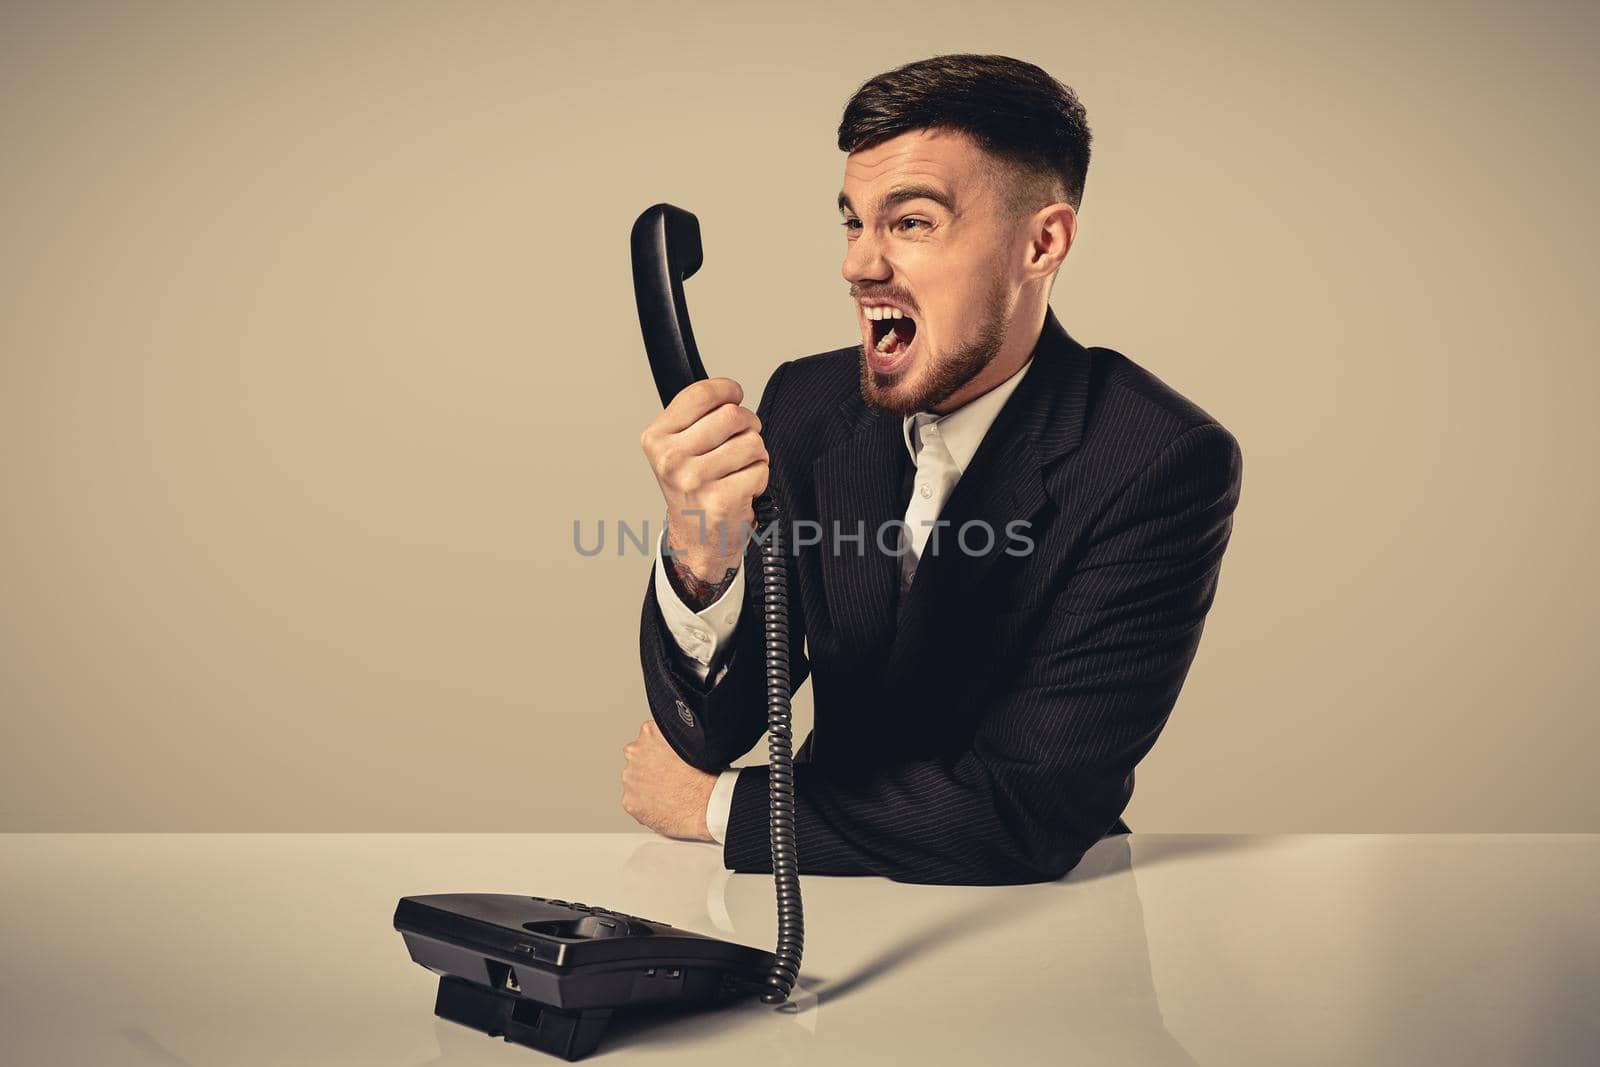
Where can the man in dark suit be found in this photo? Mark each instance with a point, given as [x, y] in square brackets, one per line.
[1006, 543]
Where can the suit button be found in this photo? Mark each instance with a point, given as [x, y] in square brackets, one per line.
[685, 714]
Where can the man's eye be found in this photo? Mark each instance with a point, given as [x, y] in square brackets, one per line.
[852, 225]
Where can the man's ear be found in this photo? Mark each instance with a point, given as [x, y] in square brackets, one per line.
[1051, 231]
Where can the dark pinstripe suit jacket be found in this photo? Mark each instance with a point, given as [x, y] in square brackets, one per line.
[984, 727]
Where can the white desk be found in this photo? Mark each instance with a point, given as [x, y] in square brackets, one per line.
[278, 949]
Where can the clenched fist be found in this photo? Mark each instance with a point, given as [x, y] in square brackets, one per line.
[708, 457]
[661, 791]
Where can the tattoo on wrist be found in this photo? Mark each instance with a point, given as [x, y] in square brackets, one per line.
[694, 590]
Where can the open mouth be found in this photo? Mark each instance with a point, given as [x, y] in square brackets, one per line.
[891, 337]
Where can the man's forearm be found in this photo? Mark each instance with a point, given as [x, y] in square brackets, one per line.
[710, 709]
[932, 821]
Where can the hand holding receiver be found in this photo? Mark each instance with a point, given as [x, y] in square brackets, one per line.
[710, 462]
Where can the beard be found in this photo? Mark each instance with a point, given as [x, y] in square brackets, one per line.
[944, 373]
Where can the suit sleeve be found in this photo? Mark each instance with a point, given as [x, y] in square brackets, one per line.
[1050, 767]
[713, 721]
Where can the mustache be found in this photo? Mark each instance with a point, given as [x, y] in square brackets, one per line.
[858, 293]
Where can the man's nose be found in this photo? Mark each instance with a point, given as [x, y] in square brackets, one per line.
[864, 261]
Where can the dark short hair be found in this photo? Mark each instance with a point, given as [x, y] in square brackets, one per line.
[1013, 110]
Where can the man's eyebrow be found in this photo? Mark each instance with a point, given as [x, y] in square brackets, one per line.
[900, 194]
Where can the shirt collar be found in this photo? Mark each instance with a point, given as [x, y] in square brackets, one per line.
[963, 429]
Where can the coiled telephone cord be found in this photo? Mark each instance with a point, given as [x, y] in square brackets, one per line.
[780, 755]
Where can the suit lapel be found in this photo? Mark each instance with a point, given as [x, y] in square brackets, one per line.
[857, 478]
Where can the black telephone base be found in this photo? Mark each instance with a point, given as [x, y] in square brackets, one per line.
[548, 973]
[568, 1034]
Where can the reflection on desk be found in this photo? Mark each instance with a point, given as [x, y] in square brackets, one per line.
[1158, 949]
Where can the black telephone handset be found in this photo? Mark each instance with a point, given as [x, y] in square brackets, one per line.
[666, 252]
[548, 973]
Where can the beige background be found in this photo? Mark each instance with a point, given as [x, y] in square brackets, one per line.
[316, 336]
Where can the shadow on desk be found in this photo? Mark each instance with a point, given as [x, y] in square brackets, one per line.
[1093, 925]
[1111, 858]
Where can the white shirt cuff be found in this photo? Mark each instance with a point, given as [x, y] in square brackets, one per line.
[720, 804]
[698, 634]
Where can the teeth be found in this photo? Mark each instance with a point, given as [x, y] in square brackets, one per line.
[890, 339]
[897, 313]
[878, 314]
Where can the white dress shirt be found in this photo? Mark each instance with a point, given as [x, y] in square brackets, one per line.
[941, 448]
